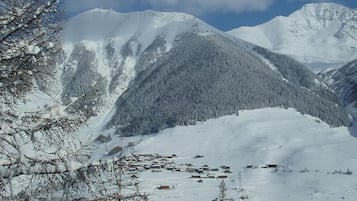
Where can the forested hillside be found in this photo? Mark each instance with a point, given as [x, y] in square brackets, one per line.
[207, 76]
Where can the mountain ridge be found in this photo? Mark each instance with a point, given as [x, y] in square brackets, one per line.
[121, 45]
[105, 64]
[319, 35]
[215, 77]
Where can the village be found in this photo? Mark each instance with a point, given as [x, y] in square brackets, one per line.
[155, 163]
[138, 164]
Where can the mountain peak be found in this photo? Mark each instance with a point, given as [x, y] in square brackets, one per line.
[326, 11]
[120, 45]
[102, 24]
[329, 5]
[107, 12]
[319, 35]
[100, 10]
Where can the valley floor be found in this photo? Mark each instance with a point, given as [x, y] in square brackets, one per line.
[312, 158]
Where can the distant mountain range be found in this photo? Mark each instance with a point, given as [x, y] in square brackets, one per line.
[319, 35]
[146, 71]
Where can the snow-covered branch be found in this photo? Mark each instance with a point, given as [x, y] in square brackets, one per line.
[29, 43]
[32, 142]
[39, 149]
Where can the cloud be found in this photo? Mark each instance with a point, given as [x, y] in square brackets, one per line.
[196, 7]
[310, 1]
[205, 6]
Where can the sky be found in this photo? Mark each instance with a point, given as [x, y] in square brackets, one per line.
[222, 14]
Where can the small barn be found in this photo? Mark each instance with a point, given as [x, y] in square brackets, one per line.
[164, 187]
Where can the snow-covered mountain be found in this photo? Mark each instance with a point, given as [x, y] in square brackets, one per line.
[143, 72]
[177, 70]
[104, 50]
[207, 76]
[320, 35]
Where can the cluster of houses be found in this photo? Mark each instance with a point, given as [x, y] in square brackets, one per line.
[137, 163]
[262, 166]
[205, 172]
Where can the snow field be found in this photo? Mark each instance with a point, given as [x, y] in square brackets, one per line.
[258, 137]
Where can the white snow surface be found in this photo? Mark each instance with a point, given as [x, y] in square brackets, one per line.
[257, 137]
[97, 28]
[320, 35]
[101, 24]
[36, 101]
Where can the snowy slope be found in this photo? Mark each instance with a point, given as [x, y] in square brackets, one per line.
[104, 50]
[258, 137]
[123, 38]
[204, 77]
[145, 26]
[320, 35]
